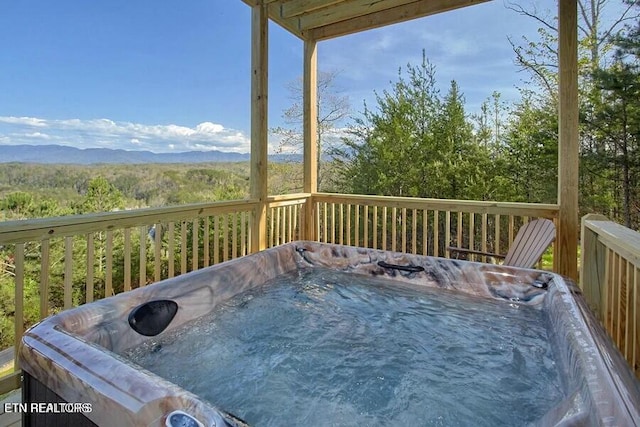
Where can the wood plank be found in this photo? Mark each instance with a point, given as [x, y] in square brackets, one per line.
[297, 7]
[343, 11]
[365, 224]
[417, 9]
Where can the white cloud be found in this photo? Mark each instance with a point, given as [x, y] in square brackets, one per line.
[124, 135]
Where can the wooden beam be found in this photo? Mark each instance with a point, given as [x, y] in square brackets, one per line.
[346, 10]
[390, 16]
[310, 130]
[568, 149]
[259, 123]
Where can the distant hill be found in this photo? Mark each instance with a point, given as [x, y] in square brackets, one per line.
[51, 154]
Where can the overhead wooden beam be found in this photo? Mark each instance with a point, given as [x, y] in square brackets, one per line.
[568, 143]
[259, 123]
[298, 7]
[346, 10]
[394, 15]
[310, 131]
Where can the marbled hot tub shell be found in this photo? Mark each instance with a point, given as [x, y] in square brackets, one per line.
[74, 356]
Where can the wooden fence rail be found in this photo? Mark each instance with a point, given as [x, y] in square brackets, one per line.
[610, 280]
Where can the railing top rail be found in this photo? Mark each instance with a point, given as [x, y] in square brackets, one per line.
[44, 228]
[516, 208]
[288, 197]
[618, 237]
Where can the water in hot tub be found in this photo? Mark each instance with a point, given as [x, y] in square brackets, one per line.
[321, 348]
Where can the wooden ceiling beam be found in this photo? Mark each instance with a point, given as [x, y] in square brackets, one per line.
[394, 15]
[346, 10]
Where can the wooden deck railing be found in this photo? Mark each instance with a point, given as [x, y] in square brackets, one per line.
[57, 263]
[610, 280]
[422, 226]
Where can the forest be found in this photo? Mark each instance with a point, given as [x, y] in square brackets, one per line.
[415, 141]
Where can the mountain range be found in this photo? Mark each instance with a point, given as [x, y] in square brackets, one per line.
[70, 155]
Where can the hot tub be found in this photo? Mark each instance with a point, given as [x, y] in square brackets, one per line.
[78, 356]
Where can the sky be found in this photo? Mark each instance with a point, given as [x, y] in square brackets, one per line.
[172, 76]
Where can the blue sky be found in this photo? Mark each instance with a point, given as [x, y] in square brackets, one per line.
[174, 76]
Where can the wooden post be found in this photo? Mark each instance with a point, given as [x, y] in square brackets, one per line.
[259, 129]
[310, 133]
[568, 139]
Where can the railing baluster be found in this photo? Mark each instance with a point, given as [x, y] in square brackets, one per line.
[341, 224]
[447, 231]
[195, 237]
[349, 224]
[108, 275]
[127, 259]
[357, 220]
[68, 272]
[225, 237]
[18, 300]
[459, 231]
[403, 238]
[89, 281]
[425, 232]
[384, 228]
[496, 243]
[414, 231]
[484, 235]
[206, 256]
[172, 249]
[142, 280]
[325, 236]
[365, 225]
[272, 231]
[44, 279]
[234, 240]
[157, 252]
[216, 239]
[635, 325]
[277, 225]
[290, 223]
[436, 230]
[375, 227]
[333, 222]
[243, 234]
[394, 229]
[472, 230]
[510, 230]
[183, 247]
